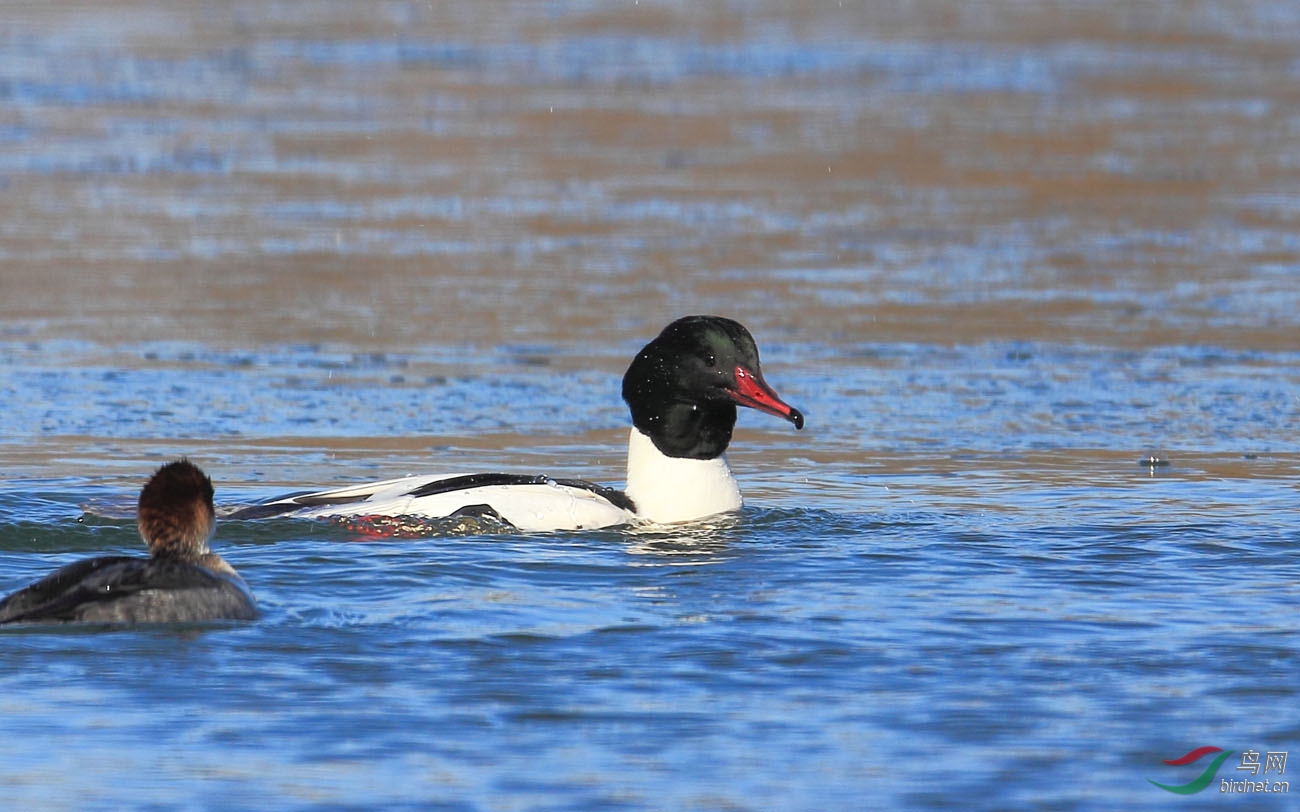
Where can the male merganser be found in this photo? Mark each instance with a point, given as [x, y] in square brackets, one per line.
[682, 389]
[181, 580]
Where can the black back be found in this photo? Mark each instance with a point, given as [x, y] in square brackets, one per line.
[458, 483]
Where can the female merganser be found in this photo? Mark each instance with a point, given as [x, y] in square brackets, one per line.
[181, 581]
[682, 390]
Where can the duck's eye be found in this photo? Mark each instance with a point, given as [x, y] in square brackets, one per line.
[710, 360]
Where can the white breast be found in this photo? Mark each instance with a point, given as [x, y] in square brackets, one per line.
[668, 489]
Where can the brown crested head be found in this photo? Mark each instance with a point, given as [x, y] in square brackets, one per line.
[176, 515]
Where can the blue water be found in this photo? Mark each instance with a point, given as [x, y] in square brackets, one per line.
[983, 596]
[1030, 272]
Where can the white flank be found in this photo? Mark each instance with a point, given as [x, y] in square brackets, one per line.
[531, 508]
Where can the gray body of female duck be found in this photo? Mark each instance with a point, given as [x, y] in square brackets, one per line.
[181, 581]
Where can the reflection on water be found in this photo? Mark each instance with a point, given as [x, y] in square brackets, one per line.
[1000, 252]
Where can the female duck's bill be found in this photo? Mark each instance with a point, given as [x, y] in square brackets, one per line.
[682, 390]
[181, 580]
